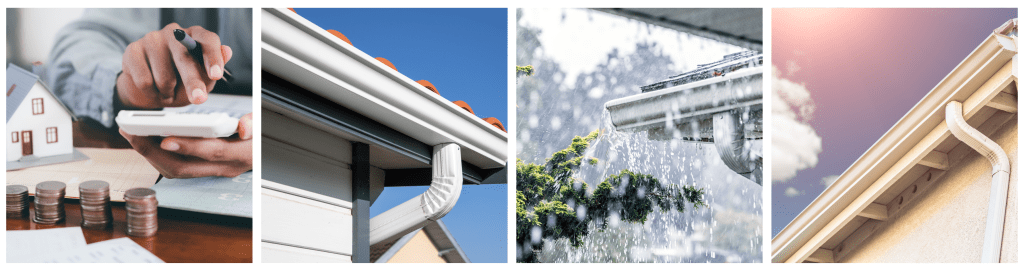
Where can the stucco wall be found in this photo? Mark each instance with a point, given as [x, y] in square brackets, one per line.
[947, 223]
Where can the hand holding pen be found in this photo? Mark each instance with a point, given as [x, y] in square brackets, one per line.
[159, 70]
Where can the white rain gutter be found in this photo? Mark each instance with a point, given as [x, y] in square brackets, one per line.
[1000, 178]
[306, 55]
[702, 98]
[430, 206]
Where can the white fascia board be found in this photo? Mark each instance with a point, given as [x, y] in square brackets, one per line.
[990, 56]
[306, 55]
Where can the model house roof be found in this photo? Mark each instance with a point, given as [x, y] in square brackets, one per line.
[19, 83]
[904, 161]
[438, 234]
[401, 117]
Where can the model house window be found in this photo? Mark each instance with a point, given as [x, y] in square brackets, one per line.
[51, 135]
[37, 106]
[14, 137]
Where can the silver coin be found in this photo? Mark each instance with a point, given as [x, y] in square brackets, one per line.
[53, 186]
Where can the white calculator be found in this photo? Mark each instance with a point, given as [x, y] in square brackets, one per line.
[166, 123]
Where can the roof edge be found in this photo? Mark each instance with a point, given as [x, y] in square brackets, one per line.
[372, 89]
[920, 120]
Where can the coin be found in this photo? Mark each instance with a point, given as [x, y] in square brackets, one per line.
[94, 198]
[17, 201]
[49, 202]
[141, 206]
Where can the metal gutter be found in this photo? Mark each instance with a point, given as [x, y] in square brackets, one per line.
[300, 52]
[1000, 178]
[910, 133]
[701, 98]
[288, 99]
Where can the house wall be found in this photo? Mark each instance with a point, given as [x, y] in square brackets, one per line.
[947, 224]
[306, 193]
[418, 250]
[54, 115]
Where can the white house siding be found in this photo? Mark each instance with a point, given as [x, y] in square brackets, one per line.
[306, 194]
[274, 253]
[54, 116]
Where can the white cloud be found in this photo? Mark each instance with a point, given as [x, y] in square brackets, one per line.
[795, 144]
[792, 192]
[791, 67]
[829, 180]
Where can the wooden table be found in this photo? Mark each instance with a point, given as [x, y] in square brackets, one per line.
[182, 236]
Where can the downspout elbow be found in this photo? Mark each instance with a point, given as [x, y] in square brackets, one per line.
[435, 203]
[1000, 178]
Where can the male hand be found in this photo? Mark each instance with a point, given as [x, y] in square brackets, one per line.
[157, 71]
[192, 157]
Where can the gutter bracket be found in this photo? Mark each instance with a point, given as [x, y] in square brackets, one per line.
[992, 246]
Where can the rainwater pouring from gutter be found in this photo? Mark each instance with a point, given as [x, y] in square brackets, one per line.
[1000, 178]
[435, 203]
[719, 103]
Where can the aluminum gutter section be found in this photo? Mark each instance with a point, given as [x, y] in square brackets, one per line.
[647, 110]
[300, 52]
[1000, 178]
[430, 206]
[830, 208]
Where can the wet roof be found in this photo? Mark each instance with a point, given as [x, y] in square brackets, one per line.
[736, 26]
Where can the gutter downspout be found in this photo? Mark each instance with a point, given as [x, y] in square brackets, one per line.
[432, 205]
[992, 247]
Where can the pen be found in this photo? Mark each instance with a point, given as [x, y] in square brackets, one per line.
[196, 50]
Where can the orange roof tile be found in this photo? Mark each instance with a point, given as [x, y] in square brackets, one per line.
[386, 62]
[429, 86]
[464, 105]
[496, 123]
[340, 36]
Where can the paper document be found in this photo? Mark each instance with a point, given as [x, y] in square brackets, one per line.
[214, 195]
[26, 246]
[123, 168]
[235, 105]
[120, 250]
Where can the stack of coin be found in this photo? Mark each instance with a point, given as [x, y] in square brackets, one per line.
[95, 200]
[141, 206]
[49, 202]
[17, 201]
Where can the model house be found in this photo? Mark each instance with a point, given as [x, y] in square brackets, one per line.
[431, 244]
[940, 186]
[38, 124]
[338, 127]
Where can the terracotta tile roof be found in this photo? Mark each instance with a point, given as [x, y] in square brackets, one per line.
[496, 123]
[429, 86]
[493, 121]
[464, 105]
[340, 36]
[386, 62]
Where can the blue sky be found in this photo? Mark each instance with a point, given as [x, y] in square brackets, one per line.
[463, 52]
